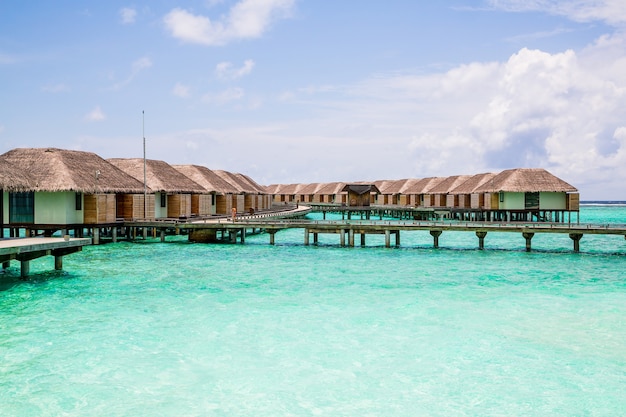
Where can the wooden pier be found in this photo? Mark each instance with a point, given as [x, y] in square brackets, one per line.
[347, 230]
[25, 250]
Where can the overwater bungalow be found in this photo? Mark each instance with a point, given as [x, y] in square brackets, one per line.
[466, 193]
[64, 187]
[332, 193]
[360, 195]
[418, 191]
[308, 193]
[389, 191]
[250, 196]
[171, 191]
[220, 191]
[526, 194]
[440, 194]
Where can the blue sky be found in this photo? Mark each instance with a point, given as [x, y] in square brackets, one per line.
[317, 91]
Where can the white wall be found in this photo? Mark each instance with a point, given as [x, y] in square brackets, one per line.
[513, 201]
[159, 212]
[552, 201]
[57, 208]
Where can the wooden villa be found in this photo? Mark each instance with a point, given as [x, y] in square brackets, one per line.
[360, 195]
[467, 197]
[389, 191]
[64, 188]
[250, 196]
[220, 197]
[332, 193]
[526, 194]
[440, 193]
[171, 191]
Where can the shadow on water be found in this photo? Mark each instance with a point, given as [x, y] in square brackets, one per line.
[11, 278]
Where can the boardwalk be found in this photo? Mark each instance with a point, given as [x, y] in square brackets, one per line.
[25, 250]
[348, 229]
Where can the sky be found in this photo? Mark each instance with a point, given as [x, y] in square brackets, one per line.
[304, 91]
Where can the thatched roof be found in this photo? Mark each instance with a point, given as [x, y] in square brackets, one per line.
[332, 188]
[312, 188]
[392, 187]
[12, 178]
[422, 186]
[160, 176]
[285, 189]
[525, 180]
[239, 182]
[449, 183]
[472, 183]
[251, 183]
[206, 178]
[387, 186]
[52, 170]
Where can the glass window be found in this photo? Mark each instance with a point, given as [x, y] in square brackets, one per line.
[79, 201]
[22, 207]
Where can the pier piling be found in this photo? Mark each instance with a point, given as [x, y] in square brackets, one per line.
[481, 239]
[528, 236]
[576, 238]
[435, 234]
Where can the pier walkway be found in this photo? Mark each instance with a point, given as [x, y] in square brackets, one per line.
[25, 250]
[348, 229]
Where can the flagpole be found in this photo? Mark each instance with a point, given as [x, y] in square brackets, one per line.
[145, 188]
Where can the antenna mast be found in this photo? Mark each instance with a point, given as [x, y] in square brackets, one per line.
[145, 188]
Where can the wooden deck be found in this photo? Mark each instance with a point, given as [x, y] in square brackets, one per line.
[26, 249]
[348, 229]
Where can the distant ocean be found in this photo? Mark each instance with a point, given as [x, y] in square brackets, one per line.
[180, 329]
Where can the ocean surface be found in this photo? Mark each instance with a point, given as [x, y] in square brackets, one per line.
[180, 329]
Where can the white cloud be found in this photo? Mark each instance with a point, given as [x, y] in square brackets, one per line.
[561, 111]
[247, 19]
[128, 15]
[96, 115]
[612, 12]
[6, 59]
[225, 70]
[136, 67]
[181, 90]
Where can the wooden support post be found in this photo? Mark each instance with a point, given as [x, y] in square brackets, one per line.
[351, 237]
[7, 264]
[272, 233]
[306, 237]
[162, 233]
[481, 239]
[362, 239]
[243, 235]
[435, 234]
[576, 238]
[114, 234]
[387, 238]
[528, 236]
[58, 263]
[315, 238]
[342, 238]
[96, 235]
[397, 237]
[232, 234]
[24, 268]
[144, 233]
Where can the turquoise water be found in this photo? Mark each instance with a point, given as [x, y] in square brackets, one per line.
[178, 329]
